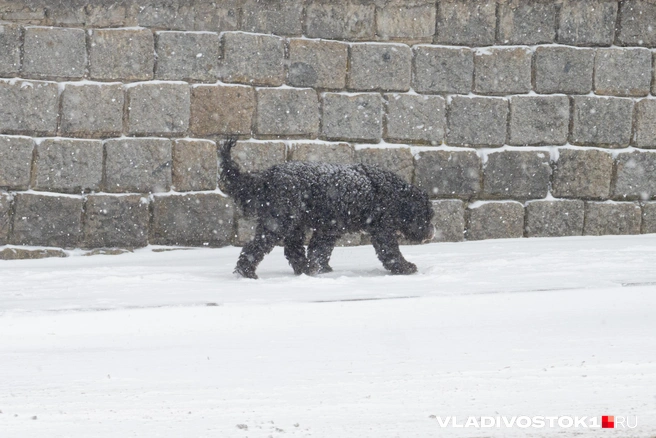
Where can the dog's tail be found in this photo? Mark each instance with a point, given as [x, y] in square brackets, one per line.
[235, 183]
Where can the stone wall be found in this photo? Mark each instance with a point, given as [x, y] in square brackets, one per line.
[520, 118]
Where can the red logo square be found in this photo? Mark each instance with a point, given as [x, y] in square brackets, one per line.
[608, 421]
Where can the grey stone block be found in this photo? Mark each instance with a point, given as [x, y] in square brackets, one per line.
[15, 162]
[53, 52]
[43, 220]
[68, 166]
[29, 107]
[563, 70]
[635, 176]
[170, 14]
[192, 220]
[582, 174]
[406, 20]
[187, 56]
[449, 220]
[92, 110]
[138, 165]
[336, 153]
[253, 156]
[317, 64]
[636, 26]
[220, 16]
[611, 218]
[645, 127]
[448, 174]
[527, 22]
[10, 53]
[116, 221]
[495, 220]
[340, 19]
[280, 17]
[5, 217]
[502, 71]
[517, 175]
[218, 109]
[287, 112]
[352, 117]
[380, 67]
[467, 22]
[601, 121]
[415, 118]
[443, 70]
[158, 108]
[588, 23]
[253, 59]
[30, 254]
[648, 223]
[397, 160]
[195, 165]
[74, 13]
[539, 120]
[121, 54]
[477, 121]
[554, 218]
[244, 228]
[623, 72]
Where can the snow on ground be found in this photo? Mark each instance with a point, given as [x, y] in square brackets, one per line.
[171, 344]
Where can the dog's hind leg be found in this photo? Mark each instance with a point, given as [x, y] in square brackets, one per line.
[319, 251]
[295, 251]
[387, 250]
[254, 251]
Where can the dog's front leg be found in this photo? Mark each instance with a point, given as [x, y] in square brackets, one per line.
[254, 251]
[387, 250]
[319, 251]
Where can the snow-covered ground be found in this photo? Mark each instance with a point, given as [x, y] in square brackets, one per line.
[171, 344]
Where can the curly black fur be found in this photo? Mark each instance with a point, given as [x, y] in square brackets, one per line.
[291, 198]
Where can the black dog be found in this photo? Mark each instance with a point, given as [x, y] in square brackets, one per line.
[291, 198]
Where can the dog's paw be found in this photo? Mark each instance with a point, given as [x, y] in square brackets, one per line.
[246, 273]
[406, 268]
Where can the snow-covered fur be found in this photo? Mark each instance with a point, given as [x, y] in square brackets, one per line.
[292, 198]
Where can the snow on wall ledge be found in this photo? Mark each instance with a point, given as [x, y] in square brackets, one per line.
[519, 118]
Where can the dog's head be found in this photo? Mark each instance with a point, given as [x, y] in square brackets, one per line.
[415, 214]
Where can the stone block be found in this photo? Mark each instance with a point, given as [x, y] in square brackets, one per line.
[645, 128]
[74, 13]
[517, 175]
[68, 166]
[317, 64]
[448, 174]
[42, 220]
[443, 70]
[280, 17]
[116, 221]
[253, 59]
[466, 23]
[340, 19]
[158, 108]
[527, 22]
[220, 16]
[636, 26]
[30, 254]
[192, 220]
[588, 23]
[121, 54]
[582, 174]
[137, 165]
[539, 120]
[406, 20]
[352, 117]
[54, 53]
[563, 70]
[601, 121]
[244, 228]
[10, 53]
[623, 72]
[195, 165]
[502, 71]
[603, 218]
[375, 66]
[15, 162]
[218, 109]
[449, 220]
[5, 217]
[554, 218]
[495, 220]
[187, 56]
[648, 223]
[169, 14]
[398, 160]
[254, 156]
[635, 176]
[477, 121]
[287, 112]
[92, 110]
[335, 153]
[29, 107]
[415, 118]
